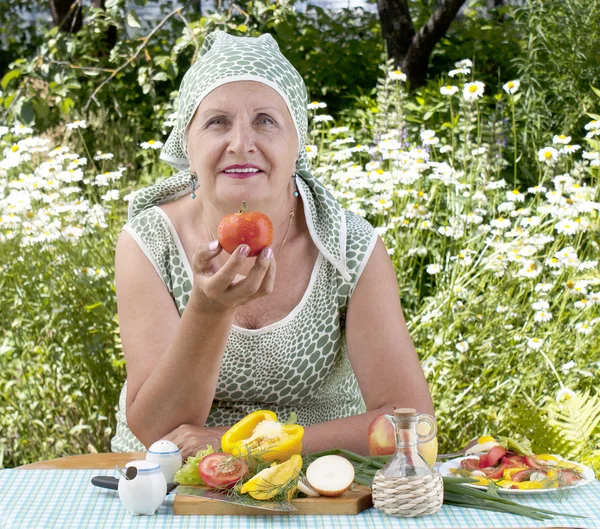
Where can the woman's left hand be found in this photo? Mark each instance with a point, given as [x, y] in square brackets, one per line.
[190, 439]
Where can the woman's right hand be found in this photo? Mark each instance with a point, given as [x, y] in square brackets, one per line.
[214, 287]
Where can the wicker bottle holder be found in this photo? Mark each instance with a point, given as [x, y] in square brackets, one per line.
[408, 497]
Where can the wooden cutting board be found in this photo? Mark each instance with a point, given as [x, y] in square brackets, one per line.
[351, 502]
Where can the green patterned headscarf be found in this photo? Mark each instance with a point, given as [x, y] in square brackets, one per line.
[224, 59]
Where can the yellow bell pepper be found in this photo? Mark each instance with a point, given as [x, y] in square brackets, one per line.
[510, 472]
[261, 434]
[271, 481]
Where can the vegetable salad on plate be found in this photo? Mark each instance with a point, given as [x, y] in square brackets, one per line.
[512, 465]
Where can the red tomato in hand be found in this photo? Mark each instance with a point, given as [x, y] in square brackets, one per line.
[245, 227]
[220, 470]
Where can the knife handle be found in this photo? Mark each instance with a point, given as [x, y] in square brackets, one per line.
[110, 482]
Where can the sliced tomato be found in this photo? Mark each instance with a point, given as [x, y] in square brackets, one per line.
[569, 476]
[523, 475]
[514, 461]
[220, 470]
[470, 464]
[492, 457]
[494, 473]
[532, 462]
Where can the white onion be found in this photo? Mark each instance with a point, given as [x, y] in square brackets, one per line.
[307, 489]
[330, 475]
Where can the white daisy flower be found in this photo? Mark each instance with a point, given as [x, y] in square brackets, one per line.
[535, 343]
[512, 86]
[561, 139]
[463, 346]
[434, 269]
[464, 63]
[548, 155]
[21, 130]
[448, 90]
[3, 131]
[322, 118]
[446, 148]
[540, 305]
[542, 316]
[565, 394]
[312, 151]
[446, 230]
[78, 124]
[398, 75]
[535, 190]
[496, 184]
[593, 125]
[463, 257]
[515, 196]
[113, 194]
[151, 144]
[543, 287]
[338, 130]
[501, 223]
[316, 104]
[566, 367]
[103, 155]
[459, 71]
[570, 149]
[582, 304]
[567, 227]
[428, 137]
[473, 91]
[583, 328]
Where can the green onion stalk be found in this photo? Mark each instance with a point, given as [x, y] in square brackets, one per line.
[456, 490]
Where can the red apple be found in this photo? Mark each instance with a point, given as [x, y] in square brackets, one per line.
[382, 440]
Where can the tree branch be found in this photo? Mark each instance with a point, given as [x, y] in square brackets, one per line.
[132, 58]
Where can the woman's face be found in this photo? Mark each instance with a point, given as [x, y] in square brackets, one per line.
[243, 124]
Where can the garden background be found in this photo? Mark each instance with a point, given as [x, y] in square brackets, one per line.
[481, 176]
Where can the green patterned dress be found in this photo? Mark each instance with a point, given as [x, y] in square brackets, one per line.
[299, 363]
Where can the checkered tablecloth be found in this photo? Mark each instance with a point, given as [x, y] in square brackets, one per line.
[66, 499]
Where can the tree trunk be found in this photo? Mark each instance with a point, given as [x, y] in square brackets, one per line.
[66, 14]
[111, 31]
[397, 26]
[411, 50]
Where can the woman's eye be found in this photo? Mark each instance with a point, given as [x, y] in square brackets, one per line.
[267, 121]
[216, 121]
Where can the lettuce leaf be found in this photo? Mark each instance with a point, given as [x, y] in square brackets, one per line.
[522, 447]
[188, 474]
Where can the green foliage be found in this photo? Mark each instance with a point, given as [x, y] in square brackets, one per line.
[559, 60]
[61, 363]
[125, 92]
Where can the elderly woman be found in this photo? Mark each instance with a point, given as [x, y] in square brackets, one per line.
[311, 325]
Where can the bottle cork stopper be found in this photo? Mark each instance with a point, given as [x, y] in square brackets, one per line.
[405, 412]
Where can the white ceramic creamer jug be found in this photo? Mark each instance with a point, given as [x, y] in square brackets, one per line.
[167, 455]
[146, 491]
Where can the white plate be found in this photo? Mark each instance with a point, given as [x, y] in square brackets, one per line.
[588, 477]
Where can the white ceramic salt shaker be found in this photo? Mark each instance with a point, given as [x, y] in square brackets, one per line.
[144, 493]
[167, 455]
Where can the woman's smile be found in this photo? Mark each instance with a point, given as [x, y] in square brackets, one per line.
[247, 170]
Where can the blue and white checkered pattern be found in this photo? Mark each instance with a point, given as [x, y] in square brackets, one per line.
[66, 499]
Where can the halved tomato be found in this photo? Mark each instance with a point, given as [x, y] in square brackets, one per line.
[220, 470]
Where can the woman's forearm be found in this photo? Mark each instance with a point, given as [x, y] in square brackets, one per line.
[181, 388]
